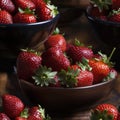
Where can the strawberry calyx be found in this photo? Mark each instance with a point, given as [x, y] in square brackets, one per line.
[56, 31]
[54, 9]
[101, 115]
[106, 59]
[44, 76]
[114, 12]
[31, 51]
[27, 11]
[24, 113]
[68, 78]
[102, 4]
[84, 64]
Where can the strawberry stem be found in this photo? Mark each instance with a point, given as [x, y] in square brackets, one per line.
[111, 54]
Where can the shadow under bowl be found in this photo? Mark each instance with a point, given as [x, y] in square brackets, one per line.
[66, 99]
[14, 37]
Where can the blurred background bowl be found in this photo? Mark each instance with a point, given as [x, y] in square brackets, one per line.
[14, 37]
[108, 32]
[57, 99]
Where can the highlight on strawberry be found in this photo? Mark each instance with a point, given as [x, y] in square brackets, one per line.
[26, 11]
[105, 111]
[63, 64]
[106, 10]
[14, 109]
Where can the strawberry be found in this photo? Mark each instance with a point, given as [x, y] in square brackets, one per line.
[85, 78]
[100, 70]
[56, 40]
[115, 16]
[20, 118]
[101, 67]
[44, 76]
[118, 118]
[75, 78]
[45, 11]
[115, 4]
[12, 105]
[7, 5]
[36, 113]
[23, 4]
[57, 60]
[28, 62]
[26, 16]
[105, 111]
[3, 116]
[5, 17]
[77, 52]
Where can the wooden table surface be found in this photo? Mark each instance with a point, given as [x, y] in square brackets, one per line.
[80, 29]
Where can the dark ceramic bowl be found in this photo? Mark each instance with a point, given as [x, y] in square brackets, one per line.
[13, 37]
[108, 33]
[66, 99]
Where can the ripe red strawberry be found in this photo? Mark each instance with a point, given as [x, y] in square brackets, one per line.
[115, 4]
[45, 11]
[12, 105]
[105, 111]
[36, 113]
[20, 118]
[3, 116]
[114, 16]
[100, 70]
[77, 52]
[56, 40]
[57, 60]
[7, 5]
[85, 78]
[23, 4]
[26, 16]
[118, 118]
[5, 17]
[27, 63]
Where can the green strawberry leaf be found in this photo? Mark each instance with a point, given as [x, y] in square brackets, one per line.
[44, 76]
[100, 115]
[24, 113]
[26, 11]
[68, 78]
[102, 4]
[56, 31]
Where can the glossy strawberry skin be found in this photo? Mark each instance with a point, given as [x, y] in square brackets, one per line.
[27, 64]
[24, 18]
[43, 12]
[115, 18]
[34, 114]
[23, 4]
[99, 69]
[20, 118]
[57, 60]
[85, 78]
[78, 52]
[112, 110]
[56, 40]
[5, 17]
[3, 116]
[12, 105]
[7, 5]
[115, 4]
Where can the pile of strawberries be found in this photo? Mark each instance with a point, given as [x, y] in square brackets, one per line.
[105, 111]
[26, 11]
[107, 10]
[14, 109]
[63, 64]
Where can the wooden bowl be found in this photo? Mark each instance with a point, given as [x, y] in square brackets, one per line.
[57, 99]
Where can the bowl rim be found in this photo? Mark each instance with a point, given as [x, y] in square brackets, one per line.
[62, 88]
[95, 19]
[30, 24]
